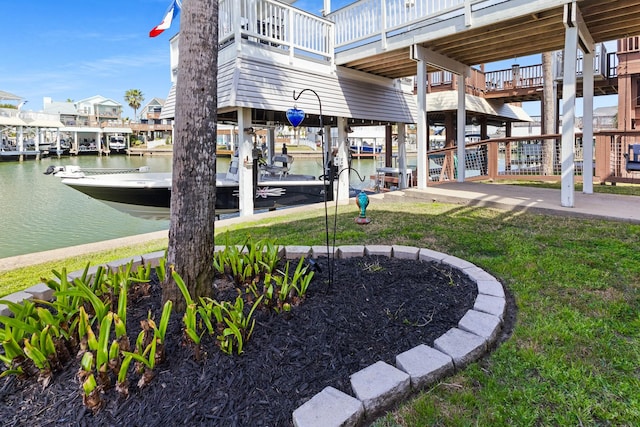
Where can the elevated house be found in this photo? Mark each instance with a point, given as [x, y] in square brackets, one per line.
[81, 127]
[151, 126]
[90, 123]
[370, 62]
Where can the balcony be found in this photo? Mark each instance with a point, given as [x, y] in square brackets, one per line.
[276, 26]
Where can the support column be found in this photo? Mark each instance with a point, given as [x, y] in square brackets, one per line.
[462, 122]
[405, 181]
[245, 162]
[20, 139]
[422, 130]
[587, 124]
[568, 117]
[271, 143]
[99, 142]
[423, 56]
[576, 33]
[388, 146]
[340, 159]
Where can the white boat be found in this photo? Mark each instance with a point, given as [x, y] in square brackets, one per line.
[146, 194]
[117, 144]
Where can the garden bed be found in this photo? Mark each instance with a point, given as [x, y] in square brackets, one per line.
[376, 308]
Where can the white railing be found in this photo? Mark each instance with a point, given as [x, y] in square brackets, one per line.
[368, 19]
[600, 58]
[9, 112]
[275, 25]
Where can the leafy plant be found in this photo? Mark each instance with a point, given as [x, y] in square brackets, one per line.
[87, 294]
[149, 348]
[17, 335]
[91, 396]
[302, 278]
[239, 326]
[189, 318]
[161, 268]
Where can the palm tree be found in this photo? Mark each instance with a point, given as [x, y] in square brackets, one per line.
[134, 98]
[193, 191]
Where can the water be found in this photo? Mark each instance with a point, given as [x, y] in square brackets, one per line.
[38, 213]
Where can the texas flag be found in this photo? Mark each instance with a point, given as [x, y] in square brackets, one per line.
[172, 12]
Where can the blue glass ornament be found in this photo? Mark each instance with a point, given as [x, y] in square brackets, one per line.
[295, 116]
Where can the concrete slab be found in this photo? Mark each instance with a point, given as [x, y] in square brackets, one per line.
[431, 255]
[153, 258]
[425, 365]
[293, 252]
[463, 347]
[538, 200]
[378, 250]
[350, 251]
[477, 274]
[379, 386]
[405, 252]
[16, 297]
[490, 287]
[491, 305]
[457, 262]
[78, 273]
[320, 251]
[40, 291]
[121, 263]
[329, 408]
[482, 324]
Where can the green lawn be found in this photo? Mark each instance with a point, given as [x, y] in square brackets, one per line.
[620, 189]
[574, 355]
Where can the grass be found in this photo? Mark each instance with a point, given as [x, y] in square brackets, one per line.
[620, 189]
[573, 356]
[22, 278]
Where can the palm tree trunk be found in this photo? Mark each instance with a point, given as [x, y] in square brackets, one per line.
[193, 193]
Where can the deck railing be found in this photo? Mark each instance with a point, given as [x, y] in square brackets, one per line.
[276, 25]
[604, 63]
[368, 20]
[525, 158]
[514, 77]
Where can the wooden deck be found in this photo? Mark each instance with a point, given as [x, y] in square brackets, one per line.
[470, 32]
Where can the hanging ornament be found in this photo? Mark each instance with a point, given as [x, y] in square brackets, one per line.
[295, 116]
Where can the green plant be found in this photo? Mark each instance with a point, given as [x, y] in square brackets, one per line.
[190, 317]
[161, 268]
[91, 396]
[86, 293]
[236, 326]
[302, 278]
[249, 262]
[149, 348]
[16, 330]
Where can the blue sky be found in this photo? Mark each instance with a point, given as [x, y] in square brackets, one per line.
[74, 49]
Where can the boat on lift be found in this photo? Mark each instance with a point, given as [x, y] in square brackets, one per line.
[142, 193]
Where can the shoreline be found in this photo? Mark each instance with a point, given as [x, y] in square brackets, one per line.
[35, 258]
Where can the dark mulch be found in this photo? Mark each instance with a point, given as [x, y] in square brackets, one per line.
[369, 314]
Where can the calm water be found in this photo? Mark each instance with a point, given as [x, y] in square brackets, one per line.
[38, 213]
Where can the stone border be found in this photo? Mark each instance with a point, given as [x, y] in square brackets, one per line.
[378, 387]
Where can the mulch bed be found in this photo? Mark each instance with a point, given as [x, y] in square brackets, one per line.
[376, 308]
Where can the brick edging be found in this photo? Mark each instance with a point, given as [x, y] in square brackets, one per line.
[379, 386]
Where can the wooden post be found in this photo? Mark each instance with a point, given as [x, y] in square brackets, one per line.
[603, 157]
[492, 159]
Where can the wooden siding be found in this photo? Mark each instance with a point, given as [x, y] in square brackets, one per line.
[267, 86]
